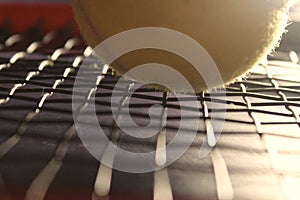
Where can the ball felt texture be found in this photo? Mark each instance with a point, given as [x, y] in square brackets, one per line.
[237, 34]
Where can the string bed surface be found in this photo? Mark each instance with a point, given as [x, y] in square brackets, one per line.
[42, 156]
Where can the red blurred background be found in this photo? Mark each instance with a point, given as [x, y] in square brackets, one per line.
[20, 15]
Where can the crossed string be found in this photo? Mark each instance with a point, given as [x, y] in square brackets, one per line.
[102, 184]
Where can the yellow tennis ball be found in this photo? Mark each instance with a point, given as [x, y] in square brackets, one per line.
[235, 33]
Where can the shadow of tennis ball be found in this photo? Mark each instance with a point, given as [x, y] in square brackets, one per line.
[237, 34]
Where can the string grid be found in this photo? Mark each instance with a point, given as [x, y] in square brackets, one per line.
[42, 157]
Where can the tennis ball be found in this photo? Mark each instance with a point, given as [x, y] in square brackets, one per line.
[237, 34]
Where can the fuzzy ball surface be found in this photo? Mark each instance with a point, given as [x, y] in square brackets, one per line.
[237, 34]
